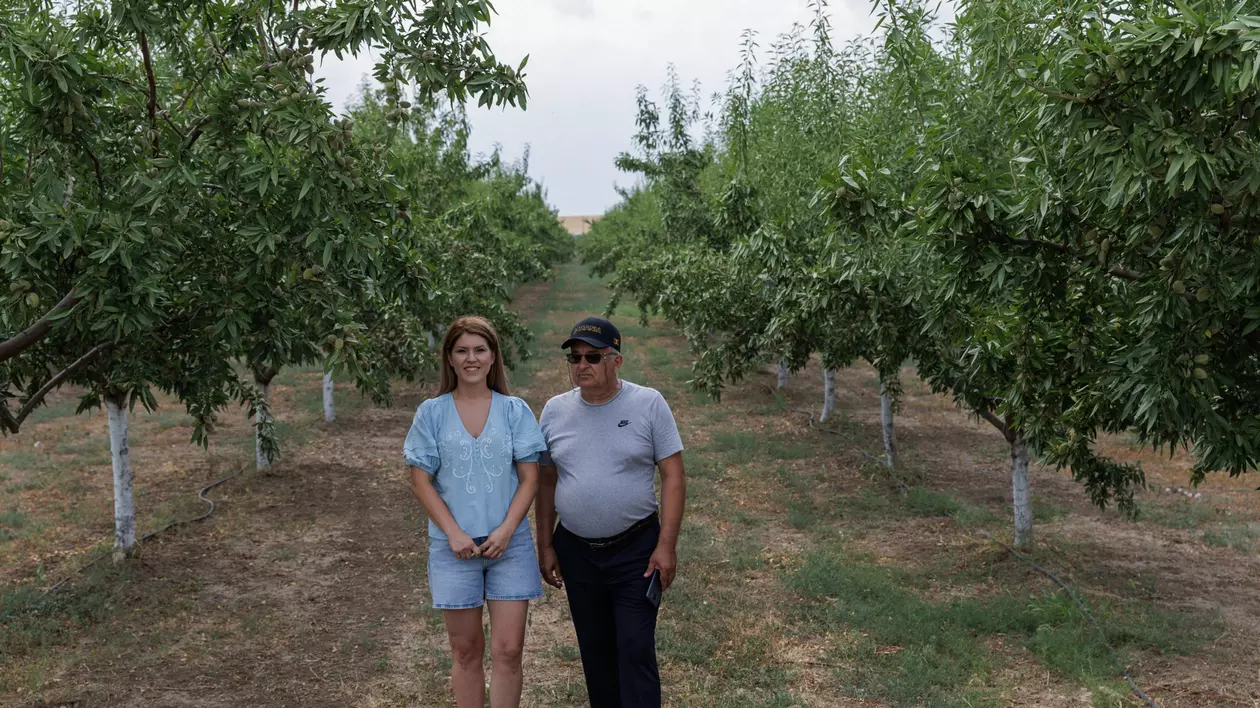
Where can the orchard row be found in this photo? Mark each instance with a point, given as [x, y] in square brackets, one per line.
[178, 203]
[1049, 208]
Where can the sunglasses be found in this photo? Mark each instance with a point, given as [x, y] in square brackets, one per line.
[591, 357]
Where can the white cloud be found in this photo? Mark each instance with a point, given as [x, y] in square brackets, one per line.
[586, 59]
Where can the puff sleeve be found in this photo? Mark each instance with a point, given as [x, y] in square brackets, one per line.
[421, 447]
[527, 437]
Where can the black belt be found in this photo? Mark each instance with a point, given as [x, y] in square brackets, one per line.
[614, 540]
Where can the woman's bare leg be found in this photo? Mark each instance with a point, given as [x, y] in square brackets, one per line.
[468, 646]
[507, 641]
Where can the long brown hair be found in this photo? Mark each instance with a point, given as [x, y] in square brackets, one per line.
[480, 326]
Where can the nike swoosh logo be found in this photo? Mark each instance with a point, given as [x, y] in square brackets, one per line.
[623, 424]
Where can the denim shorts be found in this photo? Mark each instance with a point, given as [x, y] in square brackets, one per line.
[458, 584]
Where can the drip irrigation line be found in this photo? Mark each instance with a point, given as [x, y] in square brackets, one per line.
[1080, 604]
[201, 494]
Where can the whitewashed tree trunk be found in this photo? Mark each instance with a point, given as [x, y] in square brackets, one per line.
[886, 418]
[783, 375]
[262, 417]
[330, 412]
[124, 500]
[1020, 494]
[829, 395]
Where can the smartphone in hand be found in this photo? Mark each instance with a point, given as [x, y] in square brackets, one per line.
[654, 589]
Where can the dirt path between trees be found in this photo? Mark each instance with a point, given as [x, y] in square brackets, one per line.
[307, 586]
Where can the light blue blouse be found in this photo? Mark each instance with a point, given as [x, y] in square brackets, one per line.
[476, 477]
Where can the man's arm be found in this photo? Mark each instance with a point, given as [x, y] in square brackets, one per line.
[545, 518]
[673, 501]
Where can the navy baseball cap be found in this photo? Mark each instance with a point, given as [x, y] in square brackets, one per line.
[595, 331]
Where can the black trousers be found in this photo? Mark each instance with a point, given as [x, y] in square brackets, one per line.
[615, 622]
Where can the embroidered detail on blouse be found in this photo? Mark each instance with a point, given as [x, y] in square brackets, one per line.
[472, 454]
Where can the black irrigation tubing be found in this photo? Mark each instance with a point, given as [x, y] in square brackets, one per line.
[1080, 604]
[101, 555]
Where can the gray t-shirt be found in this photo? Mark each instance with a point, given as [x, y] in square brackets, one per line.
[605, 456]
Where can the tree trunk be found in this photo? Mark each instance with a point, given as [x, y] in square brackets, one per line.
[432, 340]
[1020, 494]
[783, 376]
[124, 501]
[890, 434]
[262, 418]
[330, 412]
[829, 394]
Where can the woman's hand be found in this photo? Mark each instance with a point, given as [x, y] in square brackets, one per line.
[462, 545]
[496, 543]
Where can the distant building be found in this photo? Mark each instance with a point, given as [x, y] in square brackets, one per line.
[578, 225]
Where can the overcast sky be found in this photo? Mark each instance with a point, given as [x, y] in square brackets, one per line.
[586, 59]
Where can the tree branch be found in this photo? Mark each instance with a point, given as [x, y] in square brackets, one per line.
[148, 72]
[33, 334]
[175, 127]
[1056, 94]
[188, 96]
[1119, 272]
[13, 423]
[96, 164]
[1125, 273]
[1036, 242]
[196, 132]
[998, 423]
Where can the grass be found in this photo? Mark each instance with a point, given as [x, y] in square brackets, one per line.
[1213, 526]
[1045, 511]
[924, 502]
[32, 622]
[11, 524]
[909, 649]
[778, 449]
[736, 444]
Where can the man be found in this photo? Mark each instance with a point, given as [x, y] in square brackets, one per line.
[605, 440]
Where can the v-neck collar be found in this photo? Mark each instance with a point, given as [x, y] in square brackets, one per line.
[494, 397]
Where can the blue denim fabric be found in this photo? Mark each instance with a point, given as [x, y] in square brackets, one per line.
[460, 584]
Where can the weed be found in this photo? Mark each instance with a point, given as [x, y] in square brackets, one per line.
[924, 502]
[736, 444]
[33, 620]
[778, 405]
[1213, 526]
[915, 651]
[11, 524]
[1241, 537]
[1045, 511]
[566, 652]
[777, 449]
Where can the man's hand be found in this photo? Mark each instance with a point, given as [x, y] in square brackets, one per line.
[496, 543]
[665, 560]
[549, 566]
[462, 545]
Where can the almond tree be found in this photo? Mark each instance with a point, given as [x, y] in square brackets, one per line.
[1132, 196]
[145, 150]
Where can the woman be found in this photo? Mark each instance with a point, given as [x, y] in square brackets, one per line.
[473, 453]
